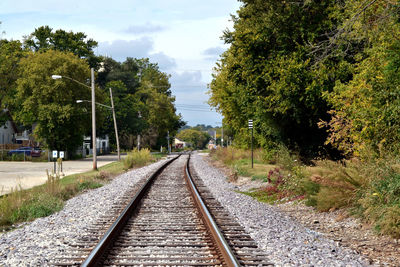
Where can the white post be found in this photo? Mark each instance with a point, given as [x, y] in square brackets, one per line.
[93, 122]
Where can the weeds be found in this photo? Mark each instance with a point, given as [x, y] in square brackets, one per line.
[137, 158]
[368, 188]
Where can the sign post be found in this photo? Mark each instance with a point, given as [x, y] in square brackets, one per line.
[61, 157]
[55, 154]
[251, 127]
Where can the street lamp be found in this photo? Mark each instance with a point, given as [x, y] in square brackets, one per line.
[114, 118]
[93, 111]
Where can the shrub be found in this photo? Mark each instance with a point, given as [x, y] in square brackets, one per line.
[40, 205]
[88, 184]
[380, 204]
[137, 158]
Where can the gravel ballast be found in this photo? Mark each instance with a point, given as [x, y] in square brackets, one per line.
[44, 239]
[286, 242]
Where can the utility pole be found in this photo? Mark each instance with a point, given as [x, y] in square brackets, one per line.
[115, 125]
[93, 122]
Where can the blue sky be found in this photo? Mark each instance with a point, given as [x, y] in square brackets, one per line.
[183, 36]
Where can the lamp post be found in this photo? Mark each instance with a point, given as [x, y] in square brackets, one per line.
[93, 111]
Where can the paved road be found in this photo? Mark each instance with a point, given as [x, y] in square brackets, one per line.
[30, 174]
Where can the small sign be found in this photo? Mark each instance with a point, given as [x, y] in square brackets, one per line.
[62, 154]
[250, 124]
[55, 152]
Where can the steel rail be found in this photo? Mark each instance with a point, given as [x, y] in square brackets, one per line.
[223, 246]
[96, 255]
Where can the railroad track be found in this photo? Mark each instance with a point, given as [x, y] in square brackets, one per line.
[167, 223]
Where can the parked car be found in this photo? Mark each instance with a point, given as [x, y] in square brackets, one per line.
[36, 152]
[25, 149]
[29, 151]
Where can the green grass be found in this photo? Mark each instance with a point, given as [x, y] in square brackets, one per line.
[261, 196]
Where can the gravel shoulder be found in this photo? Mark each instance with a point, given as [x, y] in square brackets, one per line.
[287, 242]
[38, 242]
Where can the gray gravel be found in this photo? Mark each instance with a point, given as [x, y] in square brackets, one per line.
[42, 240]
[287, 242]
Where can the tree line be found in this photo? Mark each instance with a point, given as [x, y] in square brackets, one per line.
[142, 97]
[320, 77]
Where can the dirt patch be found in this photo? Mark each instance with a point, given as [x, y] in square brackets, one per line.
[347, 231]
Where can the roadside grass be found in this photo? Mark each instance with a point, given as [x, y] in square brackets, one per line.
[26, 205]
[368, 189]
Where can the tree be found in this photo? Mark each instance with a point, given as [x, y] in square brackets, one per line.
[140, 88]
[160, 113]
[50, 105]
[267, 74]
[196, 138]
[44, 38]
[127, 109]
[11, 53]
[366, 107]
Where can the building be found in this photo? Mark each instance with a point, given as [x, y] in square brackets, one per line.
[102, 146]
[179, 143]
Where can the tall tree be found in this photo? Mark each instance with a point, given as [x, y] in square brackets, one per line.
[11, 53]
[50, 105]
[44, 38]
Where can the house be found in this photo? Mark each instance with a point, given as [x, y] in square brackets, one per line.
[179, 143]
[102, 146]
[7, 133]
[11, 137]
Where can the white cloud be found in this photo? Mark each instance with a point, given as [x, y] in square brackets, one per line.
[121, 49]
[165, 62]
[144, 28]
[213, 53]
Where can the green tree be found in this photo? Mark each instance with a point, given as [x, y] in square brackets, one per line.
[197, 138]
[366, 108]
[160, 112]
[127, 109]
[267, 74]
[44, 38]
[50, 105]
[11, 53]
[140, 88]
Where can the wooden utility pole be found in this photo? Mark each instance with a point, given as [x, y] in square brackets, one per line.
[115, 125]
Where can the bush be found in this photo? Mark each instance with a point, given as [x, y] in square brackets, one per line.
[137, 158]
[380, 205]
[40, 205]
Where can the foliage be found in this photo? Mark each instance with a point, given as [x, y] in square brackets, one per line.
[143, 102]
[137, 158]
[50, 105]
[196, 138]
[44, 38]
[11, 53]
[266, 74]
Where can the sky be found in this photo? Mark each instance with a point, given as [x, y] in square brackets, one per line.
[182, 36]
